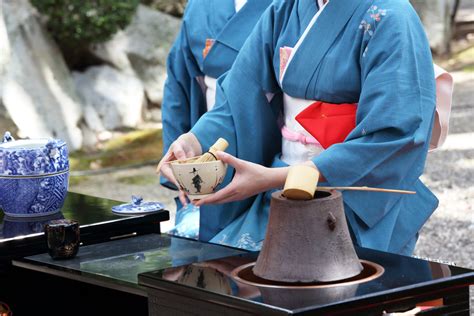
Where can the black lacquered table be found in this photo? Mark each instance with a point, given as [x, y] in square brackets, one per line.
[116, 264]
[157, 274]
[405, 283]
[21, 237]
[126, 266]
[103, 275]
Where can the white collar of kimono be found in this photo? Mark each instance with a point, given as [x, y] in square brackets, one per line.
[239, 4]
[321, 4]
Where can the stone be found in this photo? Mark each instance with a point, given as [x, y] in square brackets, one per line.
[436, 18]
[142, 49]
[92, 118]
[153, 77]
[4, 46]
[173, 7]
[36, 86]
[112, 98]
[90, 138]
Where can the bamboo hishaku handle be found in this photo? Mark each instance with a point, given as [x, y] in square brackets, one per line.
[368, 189]
[302, 182]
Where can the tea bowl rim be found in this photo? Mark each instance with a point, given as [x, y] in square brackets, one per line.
[181, 162]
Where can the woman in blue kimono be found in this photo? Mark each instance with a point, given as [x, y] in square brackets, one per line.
[212, 33]
[306, 67]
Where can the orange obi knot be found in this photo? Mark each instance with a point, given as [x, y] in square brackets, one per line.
[207, 47]
[329, 123]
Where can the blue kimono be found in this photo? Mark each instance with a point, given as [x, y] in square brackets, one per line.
[374, 53]
[205, 22]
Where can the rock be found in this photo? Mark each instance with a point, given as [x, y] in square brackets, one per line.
[153, 115]
[153, 77]
[90, 138]
[4, 47]
[36, 86]
[112, 99]
[6, 123]
[436, 17]
[173, 7]
[91, 117]
[142, 49]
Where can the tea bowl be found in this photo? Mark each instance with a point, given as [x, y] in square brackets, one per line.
[198, 180]
[34, 176]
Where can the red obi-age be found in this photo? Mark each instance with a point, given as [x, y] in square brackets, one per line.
[329, 123]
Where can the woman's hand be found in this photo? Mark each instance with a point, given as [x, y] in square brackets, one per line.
[185, 146]
[249, 179]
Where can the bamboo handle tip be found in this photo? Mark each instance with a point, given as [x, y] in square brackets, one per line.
[220, 145]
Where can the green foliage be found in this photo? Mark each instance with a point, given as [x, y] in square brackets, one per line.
[85, 21]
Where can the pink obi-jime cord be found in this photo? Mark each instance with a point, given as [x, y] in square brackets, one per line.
[298, 137]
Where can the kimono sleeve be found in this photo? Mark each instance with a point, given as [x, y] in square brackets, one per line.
[180, 100]
[388, 146]
[176, 99]
[242, 110]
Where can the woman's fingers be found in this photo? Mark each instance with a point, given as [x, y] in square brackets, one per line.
[227, 194]
[222, 196]
[229, 159]
[167, 157]
[185, 146]
[182, 148]
[247, 181]
[168, 173]
[182, 197]
[178, 149]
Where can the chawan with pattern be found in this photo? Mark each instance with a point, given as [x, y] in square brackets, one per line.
[198, 180]
[34, 176]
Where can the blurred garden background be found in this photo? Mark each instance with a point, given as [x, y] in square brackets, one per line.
[91, 72]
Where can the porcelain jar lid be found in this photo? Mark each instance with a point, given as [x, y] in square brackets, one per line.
[138, 207]
[32, 157]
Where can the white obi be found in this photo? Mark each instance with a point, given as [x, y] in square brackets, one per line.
[298, 145]
[210, 87]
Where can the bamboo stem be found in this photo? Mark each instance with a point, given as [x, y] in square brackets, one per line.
[220, 145]
[368, 189]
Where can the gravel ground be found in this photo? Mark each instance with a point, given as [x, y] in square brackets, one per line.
[447, 236]
[449, 233]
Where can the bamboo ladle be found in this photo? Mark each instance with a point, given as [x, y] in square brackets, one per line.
[302, 182]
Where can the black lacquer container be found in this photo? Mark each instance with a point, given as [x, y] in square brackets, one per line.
[63, 238]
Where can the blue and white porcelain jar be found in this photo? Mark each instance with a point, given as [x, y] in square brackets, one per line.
[34, 176]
